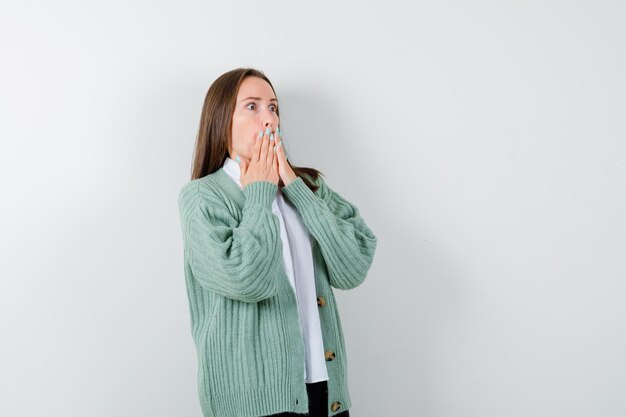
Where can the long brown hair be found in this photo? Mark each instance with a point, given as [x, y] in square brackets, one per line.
[211, 148]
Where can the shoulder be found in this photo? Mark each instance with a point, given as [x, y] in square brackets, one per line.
[335, 200]
[188, 190]
[205, 189]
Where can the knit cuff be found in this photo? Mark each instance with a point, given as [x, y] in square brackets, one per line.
[299, 193]
[260, 192]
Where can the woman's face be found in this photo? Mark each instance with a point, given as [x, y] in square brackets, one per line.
[255, 110]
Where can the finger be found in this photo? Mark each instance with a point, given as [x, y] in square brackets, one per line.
[280, 152]
[281, 145]
[265, 140]
[257, 147]
[278, 138]
[271, 152]
[270, 149]
[277, 150]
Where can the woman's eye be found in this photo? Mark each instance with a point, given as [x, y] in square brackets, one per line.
[271, 106]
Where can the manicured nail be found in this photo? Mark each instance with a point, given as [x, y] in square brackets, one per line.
[260, 134]
[272, 136]
[277, 130]
[267, 131]
[280, 143]
[238, 159]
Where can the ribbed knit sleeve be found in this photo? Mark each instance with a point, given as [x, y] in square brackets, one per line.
[346, 242]
[238, 259]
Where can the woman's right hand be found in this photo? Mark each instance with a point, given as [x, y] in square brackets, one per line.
[263, 165]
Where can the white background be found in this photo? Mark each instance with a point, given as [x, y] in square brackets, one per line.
[483, 142]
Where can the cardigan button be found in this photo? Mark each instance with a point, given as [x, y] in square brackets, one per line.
[335, 406]
[320, 301]
[330, 355]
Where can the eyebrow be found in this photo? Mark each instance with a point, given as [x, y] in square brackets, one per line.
[259, 98]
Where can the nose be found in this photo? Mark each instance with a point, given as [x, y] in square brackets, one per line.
[269, 120]
[270, 125]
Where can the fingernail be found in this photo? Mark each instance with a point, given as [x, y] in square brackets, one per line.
[277, 130]
[280, 143]
[267, 131]
[274, 148]
[238, 159]
[272, 136]
[260, 134]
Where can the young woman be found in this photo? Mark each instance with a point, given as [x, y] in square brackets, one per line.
[264, 244]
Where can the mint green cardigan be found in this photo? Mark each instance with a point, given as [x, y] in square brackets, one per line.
[244, 316]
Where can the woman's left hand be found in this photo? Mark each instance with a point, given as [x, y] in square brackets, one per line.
[284, 169]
